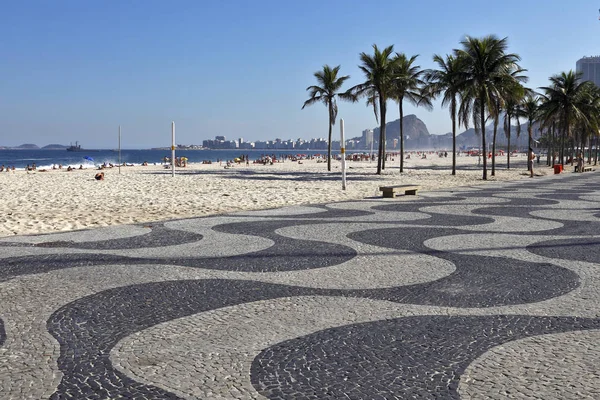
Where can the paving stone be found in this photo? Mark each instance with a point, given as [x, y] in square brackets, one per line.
[476, 292]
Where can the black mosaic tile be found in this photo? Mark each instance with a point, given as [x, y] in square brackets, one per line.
[573, 228]
[569, 227]
[87, 329]
[508, 211]
[26, 265]
[492, 192]
[159, 236]
[325, 213]
[286, 254]
[440, 219]
[579, 249]
[478, 281]
[565, 195]
[2, 332]
[407, 358]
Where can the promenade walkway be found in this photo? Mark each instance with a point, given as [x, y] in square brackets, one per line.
[486, 292]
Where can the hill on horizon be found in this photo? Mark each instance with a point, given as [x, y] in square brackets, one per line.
[417, 136]
[27, 146]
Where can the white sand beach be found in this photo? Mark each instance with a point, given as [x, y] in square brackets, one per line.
[44, 202]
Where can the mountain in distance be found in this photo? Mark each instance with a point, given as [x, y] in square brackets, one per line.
[417, 136]
[54, 147]
[29, 146]
[26, 146]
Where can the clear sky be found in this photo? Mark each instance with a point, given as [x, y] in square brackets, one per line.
[75, 70]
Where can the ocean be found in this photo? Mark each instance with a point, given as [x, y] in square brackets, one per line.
[45, 159]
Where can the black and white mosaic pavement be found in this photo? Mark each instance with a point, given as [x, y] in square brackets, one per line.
[490, 291]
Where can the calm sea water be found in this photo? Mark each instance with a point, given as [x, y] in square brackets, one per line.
[46, 158]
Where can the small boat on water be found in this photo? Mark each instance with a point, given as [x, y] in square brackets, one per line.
[77, 147]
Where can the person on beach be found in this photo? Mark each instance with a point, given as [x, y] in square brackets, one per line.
[531, 157]
[580, 162]
[99, 176]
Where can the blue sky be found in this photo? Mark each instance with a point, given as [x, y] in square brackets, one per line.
[75, 70]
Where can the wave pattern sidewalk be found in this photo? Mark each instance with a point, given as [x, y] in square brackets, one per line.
[477, 292]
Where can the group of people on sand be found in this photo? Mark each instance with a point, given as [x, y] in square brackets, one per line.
[7, 168]
[179, 161]
[69, 168]
[111, 165]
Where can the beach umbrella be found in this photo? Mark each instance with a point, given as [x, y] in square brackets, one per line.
[88, 158]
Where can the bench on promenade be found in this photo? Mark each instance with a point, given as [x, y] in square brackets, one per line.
[389, 191]
[585, 169]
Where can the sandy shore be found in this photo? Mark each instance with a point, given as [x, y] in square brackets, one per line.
[43, 202]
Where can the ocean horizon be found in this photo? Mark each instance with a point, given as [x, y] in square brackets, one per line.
[45, 159]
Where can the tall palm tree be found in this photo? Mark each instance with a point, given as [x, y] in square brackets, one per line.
[326, 91]
[379, 73]
[530, 111]
[488, 70]
[565, 101]
[511, 107]
[592, 107]
[498, 104]
[446, 81]
[407, 85]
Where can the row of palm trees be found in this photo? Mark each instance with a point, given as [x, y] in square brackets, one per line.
[479, 82]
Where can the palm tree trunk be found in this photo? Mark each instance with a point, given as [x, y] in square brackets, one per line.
[381, 150]
[483, 140]
[508, 149]
[401, 136]
[384, 148]
[530, 144]
[562, 148]
[589, 141]
[329, 146]
[494, 147]
[597, 142]
[453, 136]
[555, 146]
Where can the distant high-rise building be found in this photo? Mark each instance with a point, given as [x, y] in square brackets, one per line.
[367, 138]
[590, 69]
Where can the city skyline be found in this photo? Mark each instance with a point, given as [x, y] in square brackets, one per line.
[76, 71]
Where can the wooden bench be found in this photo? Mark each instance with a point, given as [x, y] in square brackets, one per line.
[585, 169]
[389, 191]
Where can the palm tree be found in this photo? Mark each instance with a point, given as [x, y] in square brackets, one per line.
[326, 92]
[530, 111]
[498, 110]
[511, 107]
[379, 73]
[488, 71]
[446, 81]
[565, 100]
[407, 85]
[592, 107]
